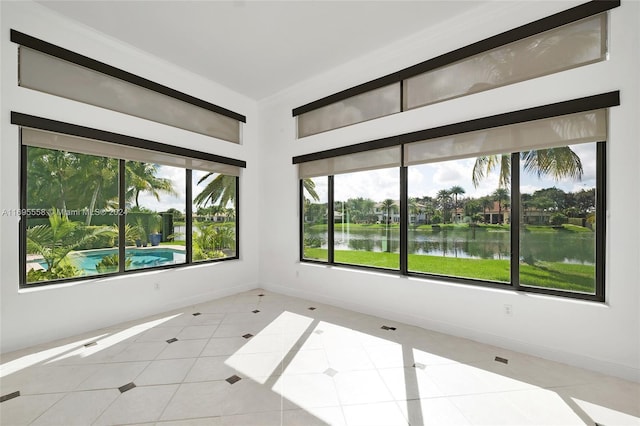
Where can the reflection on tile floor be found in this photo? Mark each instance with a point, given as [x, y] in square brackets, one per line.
[272, 360]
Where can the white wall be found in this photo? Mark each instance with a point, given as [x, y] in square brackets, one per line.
[599, 336]
[39, 315]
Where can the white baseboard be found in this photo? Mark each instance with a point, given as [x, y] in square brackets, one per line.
[553, 354]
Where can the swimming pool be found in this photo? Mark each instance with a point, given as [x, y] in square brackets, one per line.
[141, 258]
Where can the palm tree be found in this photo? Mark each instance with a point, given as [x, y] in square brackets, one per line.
[444, 199]
[414, 208]
[485, 202]
[221, 190]
[500, 195]
[49, 174]
[455, 191]
[310, 186]
[388, 205]
[97, 180]
[556, 162]
[54, 241]
[141, 177]
[484, 166]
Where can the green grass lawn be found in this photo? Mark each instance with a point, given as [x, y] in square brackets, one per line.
[555, 275]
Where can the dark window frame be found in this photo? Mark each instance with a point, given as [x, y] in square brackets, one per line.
[84, 61]
[605, 100]
[556, 20]
[34, 122]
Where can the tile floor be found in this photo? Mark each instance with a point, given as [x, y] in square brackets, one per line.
[296, 366]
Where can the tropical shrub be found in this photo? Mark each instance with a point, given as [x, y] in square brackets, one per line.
[54, 241]
[104, 238]
[54, 273]
[558, 219]
[312, 241]
[200, 254]
[436, 219]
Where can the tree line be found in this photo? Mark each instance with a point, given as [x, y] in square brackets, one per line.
[448, 203]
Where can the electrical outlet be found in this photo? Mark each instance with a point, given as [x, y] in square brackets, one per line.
[508, 310]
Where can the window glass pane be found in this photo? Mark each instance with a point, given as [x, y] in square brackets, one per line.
[314, 218]
[566, 47]
[72, 221]
[366, 106]
[458, 228]
[214, 219]
[154, 193]
[558, 220]
[367, 218]
[55, 76]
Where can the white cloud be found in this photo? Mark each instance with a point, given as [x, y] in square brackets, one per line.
[374, 184]
[178, 179]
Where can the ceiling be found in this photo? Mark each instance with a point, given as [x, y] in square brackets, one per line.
[259, 48]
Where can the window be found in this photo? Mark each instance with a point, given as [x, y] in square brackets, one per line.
[367, 218]
[153, 198]
[71, 222]
[569, 39]
[315, 217]
[508, 201]
[361, 208]
[456, 228]
[558, 238]
[98, 203]
[214, 223]
[57, 71]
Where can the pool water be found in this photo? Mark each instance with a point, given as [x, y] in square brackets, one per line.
[140, 258]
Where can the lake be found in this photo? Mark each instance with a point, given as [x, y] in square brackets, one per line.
[473, 243]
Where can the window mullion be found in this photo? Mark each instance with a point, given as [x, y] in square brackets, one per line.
[404, 221]
[188, 220]
[122, 219]
[601, 173]
[515, 220]
[23, 218]
[237, 214]
[330, 221]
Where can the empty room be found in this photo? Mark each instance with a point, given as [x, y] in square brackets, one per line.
[320, 212]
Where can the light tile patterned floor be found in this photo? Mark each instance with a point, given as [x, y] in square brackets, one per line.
[300, 366]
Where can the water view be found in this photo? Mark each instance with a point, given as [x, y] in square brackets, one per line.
[467, 242]
[460, 215]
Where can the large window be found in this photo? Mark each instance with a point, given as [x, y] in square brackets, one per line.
[558, 218]
[351, 210]
[94, 207]
[367, 218]
[457, 228]
[214, 219]
[315, 217]
[154, 197]
[71, 218]
[515, 205]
